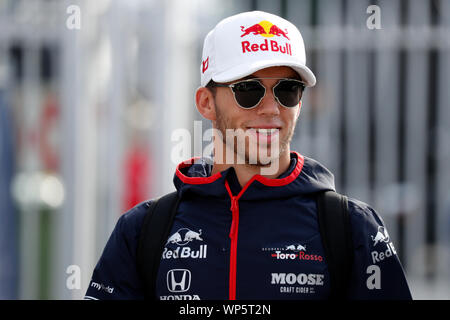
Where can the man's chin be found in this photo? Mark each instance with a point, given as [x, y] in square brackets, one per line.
[268, 164]
[264, 156]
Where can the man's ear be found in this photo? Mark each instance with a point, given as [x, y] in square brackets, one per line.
[204, 100]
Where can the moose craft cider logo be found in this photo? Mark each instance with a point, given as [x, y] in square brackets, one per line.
[267, 30]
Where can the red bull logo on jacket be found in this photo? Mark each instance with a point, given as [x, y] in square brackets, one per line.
[265, 29]
[183, 236]
[380, 237]
[176, 245]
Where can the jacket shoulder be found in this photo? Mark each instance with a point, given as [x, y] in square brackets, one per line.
[131, 221]
[115, 275]
[362, 213]
[377, 272]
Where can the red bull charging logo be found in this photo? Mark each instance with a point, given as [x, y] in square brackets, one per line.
[265, 29]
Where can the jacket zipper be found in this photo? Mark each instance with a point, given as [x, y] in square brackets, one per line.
[233, 251]
[234, 230]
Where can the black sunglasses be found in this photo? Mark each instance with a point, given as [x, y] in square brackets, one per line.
[249, 93]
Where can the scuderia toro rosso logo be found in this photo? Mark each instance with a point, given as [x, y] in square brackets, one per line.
[266, 30]
[294, 251]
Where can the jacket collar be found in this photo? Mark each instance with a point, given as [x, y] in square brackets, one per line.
[194, 175]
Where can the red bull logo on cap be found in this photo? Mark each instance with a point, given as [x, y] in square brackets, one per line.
[265, 29]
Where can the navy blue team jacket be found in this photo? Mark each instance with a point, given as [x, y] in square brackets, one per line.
[261, 241]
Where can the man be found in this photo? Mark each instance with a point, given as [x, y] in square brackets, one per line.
[246, 225]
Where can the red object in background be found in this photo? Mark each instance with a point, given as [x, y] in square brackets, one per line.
[48, 129]
[137, 176]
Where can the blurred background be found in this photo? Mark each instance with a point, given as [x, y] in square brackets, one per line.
[91, 92]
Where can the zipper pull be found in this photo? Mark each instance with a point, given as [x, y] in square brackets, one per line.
[234, 208]
[234, 204]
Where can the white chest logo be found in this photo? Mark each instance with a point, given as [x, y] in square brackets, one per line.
[381, 236]
[183, 236]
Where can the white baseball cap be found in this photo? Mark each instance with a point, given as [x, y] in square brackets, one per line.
[247, 42]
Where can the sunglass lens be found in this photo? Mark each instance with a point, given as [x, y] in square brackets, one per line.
[248, 93]
[289, 92]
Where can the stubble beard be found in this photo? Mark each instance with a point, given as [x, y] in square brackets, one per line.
[242, 152]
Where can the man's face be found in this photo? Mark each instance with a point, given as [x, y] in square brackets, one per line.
[278, 121]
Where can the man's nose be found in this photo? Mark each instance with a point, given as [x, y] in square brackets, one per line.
[268, 105]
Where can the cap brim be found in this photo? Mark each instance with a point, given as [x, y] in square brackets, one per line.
[241, 71]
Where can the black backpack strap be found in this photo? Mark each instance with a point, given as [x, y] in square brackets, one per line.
[154, 233]
[335, 230]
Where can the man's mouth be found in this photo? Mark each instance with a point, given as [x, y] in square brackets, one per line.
[266, 131]
[264, 135]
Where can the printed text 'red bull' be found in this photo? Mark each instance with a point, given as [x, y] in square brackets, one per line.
[266, 46]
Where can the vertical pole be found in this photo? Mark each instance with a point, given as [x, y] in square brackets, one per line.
[431, 153]
[401, 136]
[343, 107]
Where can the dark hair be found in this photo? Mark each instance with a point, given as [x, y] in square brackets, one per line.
[211, 87]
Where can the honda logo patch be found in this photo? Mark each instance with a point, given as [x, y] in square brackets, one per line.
[178, 280]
